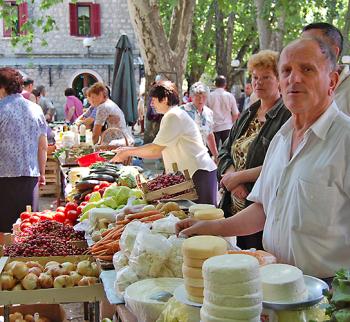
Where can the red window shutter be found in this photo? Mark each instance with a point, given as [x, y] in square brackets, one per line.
[95, 20]
[73, 19]
[22, 15]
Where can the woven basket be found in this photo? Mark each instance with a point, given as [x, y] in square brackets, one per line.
[103, 145]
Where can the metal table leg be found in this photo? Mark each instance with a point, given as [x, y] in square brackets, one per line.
[86, 311]
[97, 311]
[7, 313]
[91, 312]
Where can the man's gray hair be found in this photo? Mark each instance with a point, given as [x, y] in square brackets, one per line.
[199, 88]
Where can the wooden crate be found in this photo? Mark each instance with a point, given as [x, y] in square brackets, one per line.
[52, 186]
[187, 187]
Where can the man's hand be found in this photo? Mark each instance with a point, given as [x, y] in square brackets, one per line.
[190, 227]
[231, 180]
[42, 180]
[240, 191]
[121, 154]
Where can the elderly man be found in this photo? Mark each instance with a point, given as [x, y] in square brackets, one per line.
[202, 115]
[302, 197]
[334, 38]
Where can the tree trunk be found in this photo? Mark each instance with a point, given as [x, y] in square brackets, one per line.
[220, 37]
[278, 35]
[263, 25]
[346, 31]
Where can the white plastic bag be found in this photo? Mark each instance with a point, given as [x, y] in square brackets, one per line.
[175, 258]
[119, 261]
[125, 277]
[127, 239]
[150, 252]
[165, 225]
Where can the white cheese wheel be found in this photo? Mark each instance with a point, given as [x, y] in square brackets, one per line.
[234, 301]
[193, 262]
[200, 206]
[202, 247]
[194, 291]
[191, 272]
[196, 299]
[205, 317]
[209, 214]
[234, 289]
[195, 282]
[232, 268]
[282, 283]
[226, 312]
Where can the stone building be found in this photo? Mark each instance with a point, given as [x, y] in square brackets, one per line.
[65, 61]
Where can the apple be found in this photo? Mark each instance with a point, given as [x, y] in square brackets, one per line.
[63, 281]
[30, 282]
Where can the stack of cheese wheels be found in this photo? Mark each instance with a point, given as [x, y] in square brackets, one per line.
[283, 283]
[199, 206]
[208, 214]
[195, 251]
[232, 289]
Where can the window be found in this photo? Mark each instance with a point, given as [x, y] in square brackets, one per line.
[20, 12]
[85, 20]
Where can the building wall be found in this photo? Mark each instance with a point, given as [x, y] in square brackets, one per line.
[115, 21]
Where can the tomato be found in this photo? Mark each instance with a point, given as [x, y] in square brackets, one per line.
[102, 191]
[71, 206]
[96, 188]
[34, 218]
[59, 216]
[46, 216]
[69, 222]
[25, 215]
[79, 209]
[84, 203]
[104, 184]
[24, 225]
[87, 197]
[61, 209]
[72, 215]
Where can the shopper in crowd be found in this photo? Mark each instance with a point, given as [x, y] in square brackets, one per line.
[242, 155]
[248, 91]
[23, 148]
[88, 118]
[73, 108]
[224, 107]
[334, 38]
[28, 86]
[202, 115]
[178, 140]
[107, 112]
[185, 98]
[46, 104]
[302, 197]
[86, 103]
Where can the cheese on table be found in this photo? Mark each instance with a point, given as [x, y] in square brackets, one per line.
[209, 214]
[203, 247]
[193, 262]
[232, 289]
[195, 282]
[196, 299]
[283, 283]
[200, 206]
[192, 272]
[194, 291]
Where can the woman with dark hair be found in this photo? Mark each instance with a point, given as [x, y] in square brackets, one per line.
[23, 148]
[178, 140]
[73, 108]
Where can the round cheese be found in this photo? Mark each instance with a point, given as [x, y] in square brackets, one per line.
[193, 262]
[209, 214]
[205, 317]
[226, 312]
[232, 268]
[194, 291]
[196, 299]
[191, 272]
[203, 247]
[282, 283]
[230, 300]
[195, 282]
[234, 289]
[200, 206]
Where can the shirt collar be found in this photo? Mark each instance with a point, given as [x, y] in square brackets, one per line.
[343, 74]
[320, 127]
[272, 113]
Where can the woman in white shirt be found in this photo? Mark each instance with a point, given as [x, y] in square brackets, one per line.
[178, 140]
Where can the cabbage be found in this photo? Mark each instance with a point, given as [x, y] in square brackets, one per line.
[95, 196]
[111, 191]
[89, 206]
[122, 196]
[137, 193]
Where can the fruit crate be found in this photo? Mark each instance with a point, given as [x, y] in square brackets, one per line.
[52, 176]
[184, 190]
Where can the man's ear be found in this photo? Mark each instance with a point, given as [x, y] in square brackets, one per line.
[334, 79]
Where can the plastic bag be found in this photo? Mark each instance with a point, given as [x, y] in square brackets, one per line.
[149, 254]
[175, 258]
[124, 277]
[166, 225]
[128, 236]
[119, 261]
[176, 311]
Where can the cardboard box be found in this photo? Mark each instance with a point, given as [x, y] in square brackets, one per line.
[91, 293]
[54, 312]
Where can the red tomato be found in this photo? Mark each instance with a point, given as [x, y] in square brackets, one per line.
[104, 184]
[25, 215]
[96, 188]
[24, 225]
[46, 216]
[79, 209]
[71, 206]
[61, 209]
[72, 215]
[59, 216]
[102, 191]
[87, 197]
[33, 219]
[84, 203]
